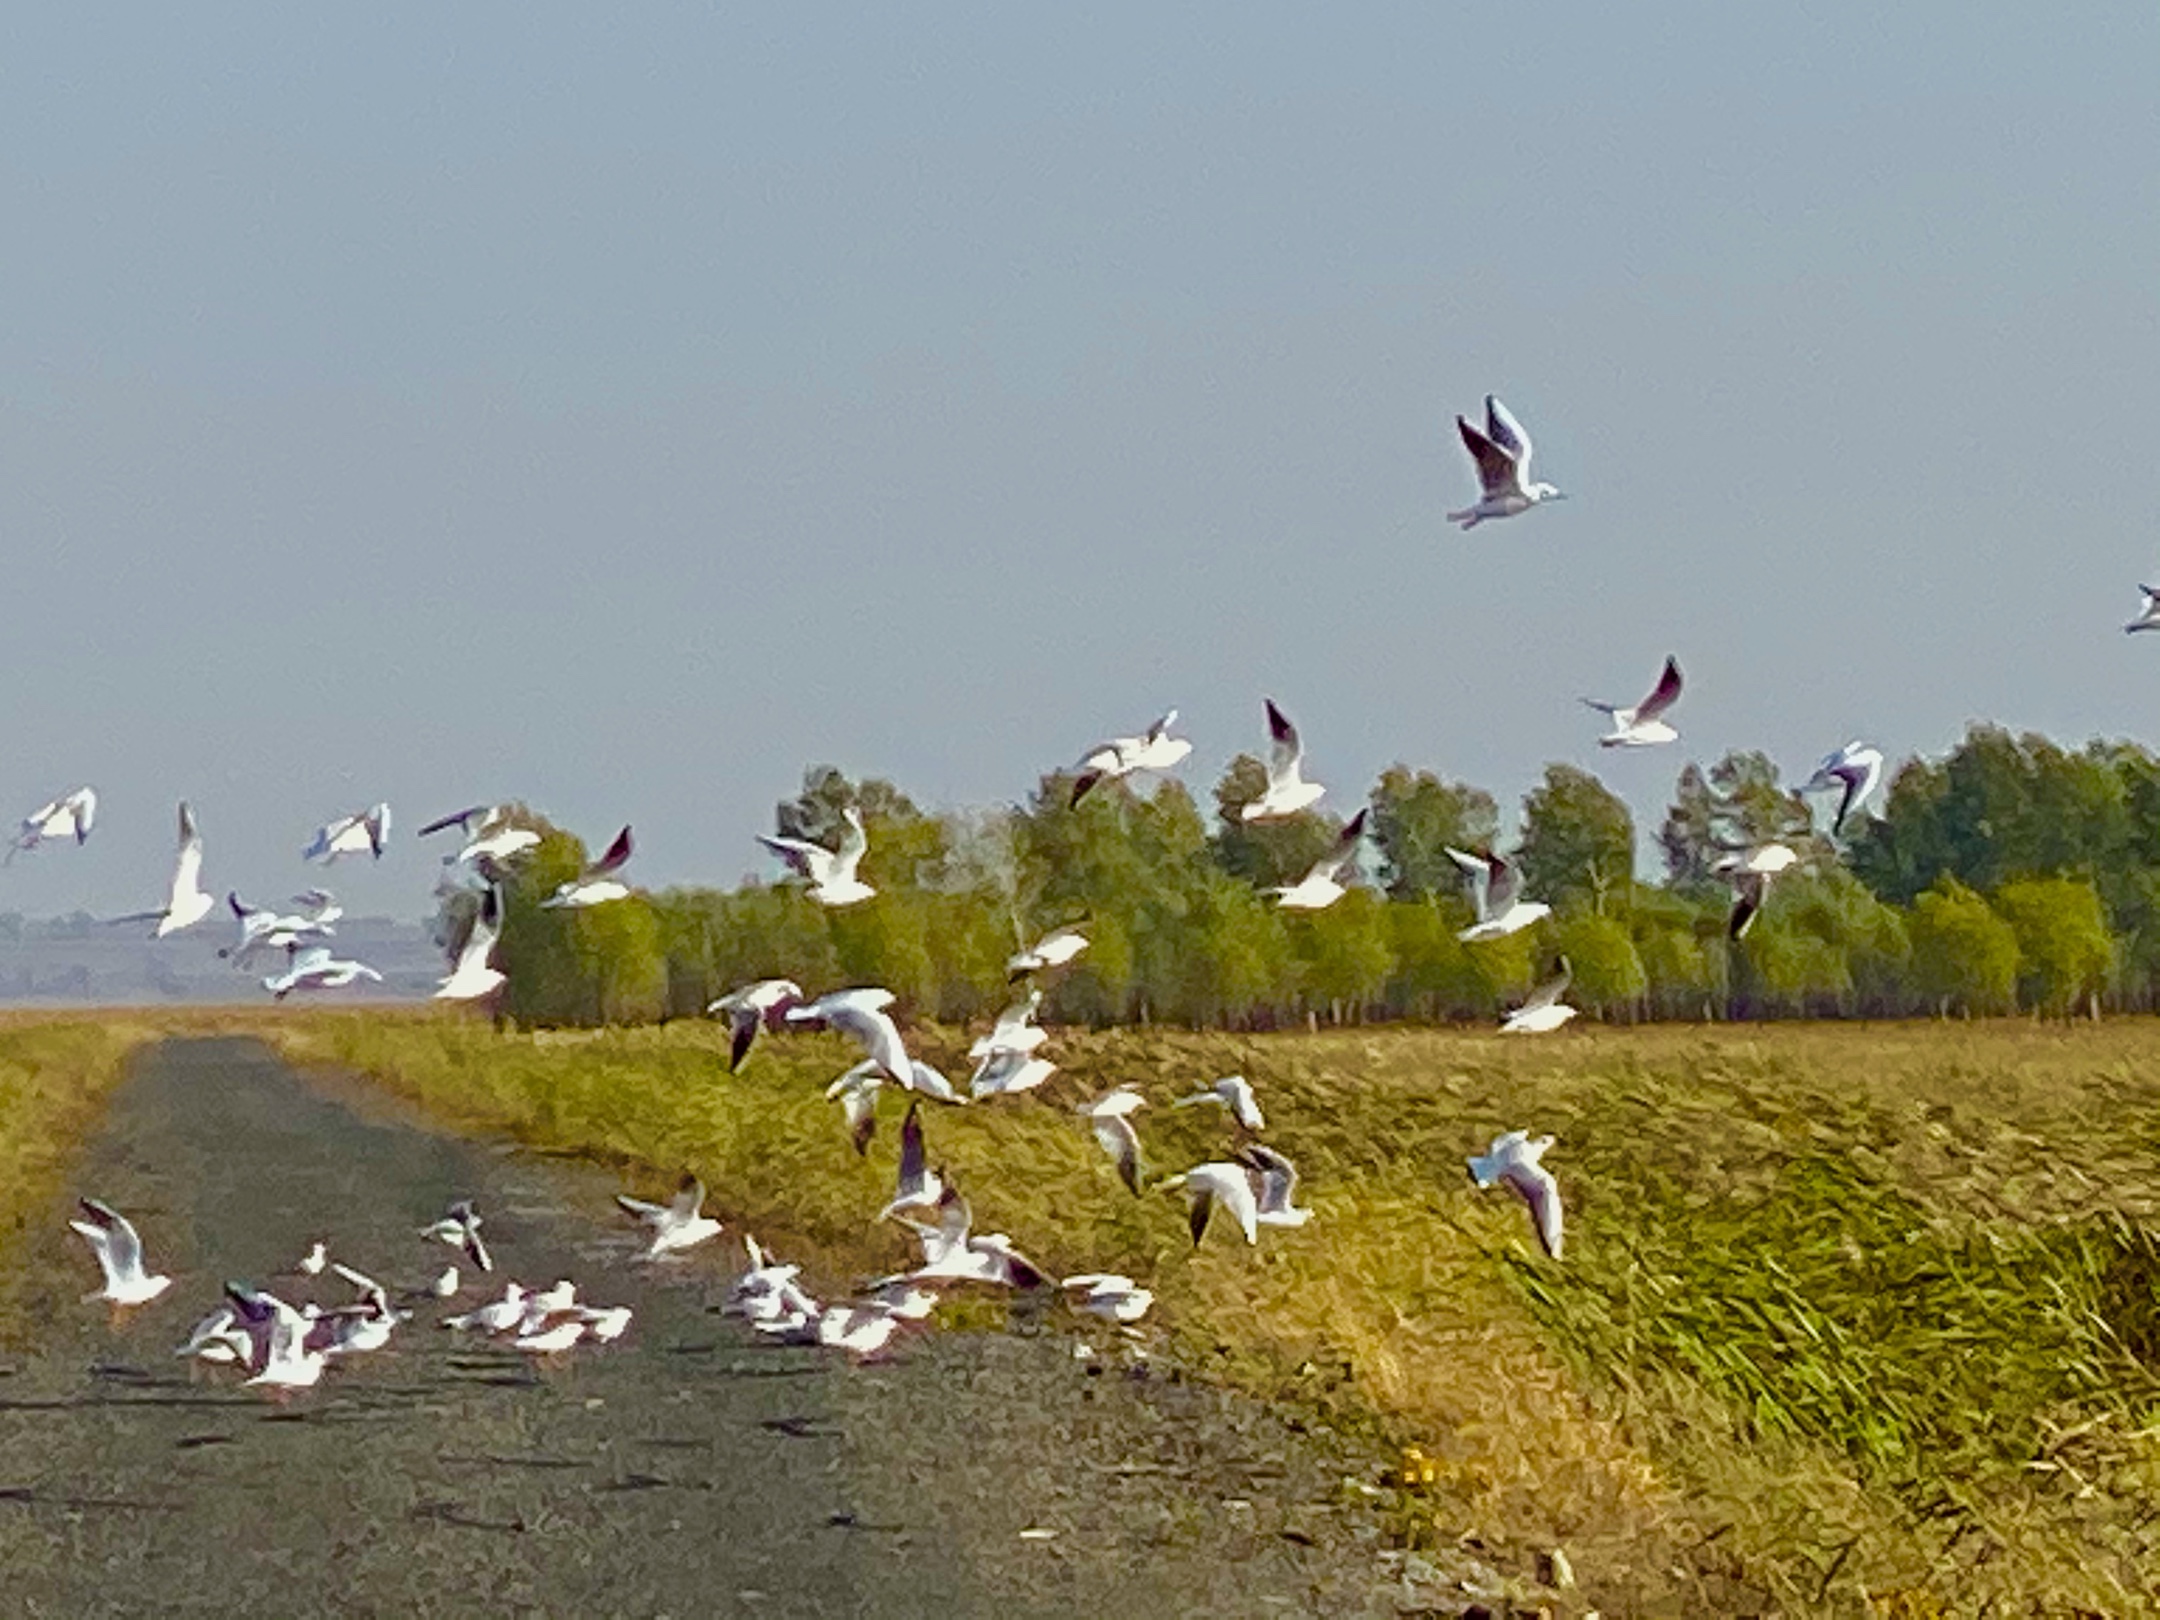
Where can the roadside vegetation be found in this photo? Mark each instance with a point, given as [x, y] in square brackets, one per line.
[1853, 1319]
[55, 1074]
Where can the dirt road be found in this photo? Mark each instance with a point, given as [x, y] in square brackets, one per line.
[689, 1470]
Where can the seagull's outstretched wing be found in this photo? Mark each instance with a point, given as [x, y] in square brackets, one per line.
[1504, 431]
[1285, 751]
[1549, 991]
[1495, 467]
[1663, 695]
[617, 856]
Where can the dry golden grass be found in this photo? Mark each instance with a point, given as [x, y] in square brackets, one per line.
[1853, 1319]
[55, 1074]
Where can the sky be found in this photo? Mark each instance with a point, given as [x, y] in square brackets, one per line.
[624, 408]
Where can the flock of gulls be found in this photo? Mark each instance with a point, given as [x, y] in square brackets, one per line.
[284, 1345]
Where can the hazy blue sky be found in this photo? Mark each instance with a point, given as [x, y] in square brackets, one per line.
[623, 407]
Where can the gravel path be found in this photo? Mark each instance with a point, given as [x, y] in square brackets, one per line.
[689, 1470]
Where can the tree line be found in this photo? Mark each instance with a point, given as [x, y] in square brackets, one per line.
[2011, 875]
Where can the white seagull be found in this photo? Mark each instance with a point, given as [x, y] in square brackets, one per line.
[488, 834]
[282, 1358]
[364, 832]
[2149, 615]
[1053, 950]
[1234, 1093]
[496, 1316]
[1229, 1184]
[597, 884]
[676, 1224]
[1542, 1009]
[69, 816]
[1015, 1029]
[1109, 1295]
[1502, 454]
[1004, 1071]
[1287, 791]
[762, 1005]
[1514, 1159]
[856, 1093]
[919, 1187]
[262, 929]
[460, 1228]
[860, 1014]
[952, 1252]
[1640, 727]
[1277, 1190]
[314, 968]
[1855, 770]
[474, 974]
[1496, 891]
[1110, 1117]
[1749, 873]
[831, 871]
[112, 1238]
[1323, 885]
[186, 904]
[1120, 757]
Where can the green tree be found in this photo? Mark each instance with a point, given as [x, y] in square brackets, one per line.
[1609, 975]
[1416, 817]
[2064, 947]
[1963, 954]
[1343, 954]
[1578, 843]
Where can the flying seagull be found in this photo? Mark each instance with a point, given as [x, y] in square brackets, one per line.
[1234, 1093]
[488, 834]
[676, 1224]
[1156, 750]
[1053, 950]
[1287, 791]
[460, 1228]
[314, 968]
[1750, 873]
[1542, 1009]
[1015, 1030]
[831, 871]
[1496, 891]
[1277, 1186]
[1502, 454]
[1855, 770]
[860, 1014]
[2149, 615]
[474, 973]
[186, 904]
[1514, 1159]
[953, 1252]
[919, 1187]
[364, 832]
[1323, 885]
[69, 816]
[597, 884]
[1641, 726]
[762, 1005]
[1231, 1185]
[112, 1238]
[1110, 1117]
[1109, 1295]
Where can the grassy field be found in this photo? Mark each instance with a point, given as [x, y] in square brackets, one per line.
[55, 1074]
[1852, 1320]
